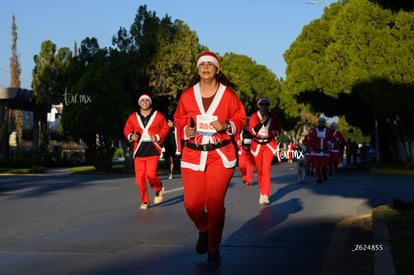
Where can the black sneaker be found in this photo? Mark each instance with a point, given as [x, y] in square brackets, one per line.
[214, 259]
[202, 243]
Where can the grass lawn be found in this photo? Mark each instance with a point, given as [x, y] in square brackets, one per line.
[401, 230]
[21, 171]
[90, 170]
[117, 169]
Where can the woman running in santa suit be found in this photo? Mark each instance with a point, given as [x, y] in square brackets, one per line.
[207, 116]
[265, 127]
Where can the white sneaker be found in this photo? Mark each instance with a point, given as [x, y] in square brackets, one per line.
[261, 199]
[159, 196]
[170, 177]
[265, 200]
[144, 206]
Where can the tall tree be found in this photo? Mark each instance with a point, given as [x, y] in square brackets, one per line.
[95, 105]
[173, 66]
[15, 69]
[156, 55]
[15, 116]
[51, 77]
[359, 66]
[253, 81]
[11, 120]
[50, 74]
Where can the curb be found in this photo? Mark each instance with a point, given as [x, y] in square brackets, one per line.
[390, 171]
[384, 262]
[338, 245]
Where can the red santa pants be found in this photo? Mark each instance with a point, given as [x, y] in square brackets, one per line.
[320, 163]
[206, 190]
[263, 165]
[310, 163]
[290, 155]
[146, 169]
[333, 161]
[246, 165]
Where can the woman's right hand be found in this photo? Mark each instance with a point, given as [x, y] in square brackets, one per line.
[190, 131]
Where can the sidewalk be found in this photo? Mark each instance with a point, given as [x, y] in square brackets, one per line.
[341, 259]
[384, 262]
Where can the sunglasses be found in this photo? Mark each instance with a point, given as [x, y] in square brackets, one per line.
[263, 104]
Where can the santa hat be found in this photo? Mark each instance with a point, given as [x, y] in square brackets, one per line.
[262, 99]
[322, 118]
[208, 57]
[145, 96]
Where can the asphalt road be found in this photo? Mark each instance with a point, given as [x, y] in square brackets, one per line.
[63, 224]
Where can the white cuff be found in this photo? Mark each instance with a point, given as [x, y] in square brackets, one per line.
[232, 129]
[185, 135]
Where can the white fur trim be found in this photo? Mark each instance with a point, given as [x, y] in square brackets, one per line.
[208, 58]
[145, 96]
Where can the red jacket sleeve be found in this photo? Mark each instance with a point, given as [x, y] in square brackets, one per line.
[161, 128]
[131, 126]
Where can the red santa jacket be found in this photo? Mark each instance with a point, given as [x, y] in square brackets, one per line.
[337, 140]
[265, 135]
[307, 146]
[156, 125]
[225, 106]
[320, 141]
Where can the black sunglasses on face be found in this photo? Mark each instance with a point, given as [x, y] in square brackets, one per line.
[263, 104]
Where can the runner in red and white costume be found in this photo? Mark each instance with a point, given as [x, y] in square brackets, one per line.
[208, 157]
[147, 128]
[246, 159]
[338, 142]
[308, 151]
[265, 127]
[320, 139]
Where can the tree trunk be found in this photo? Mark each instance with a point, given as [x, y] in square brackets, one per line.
[401, 141]
[4, 133]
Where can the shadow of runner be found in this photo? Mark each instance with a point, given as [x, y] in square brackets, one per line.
[283, 191]
[173, 200]
[258, 231]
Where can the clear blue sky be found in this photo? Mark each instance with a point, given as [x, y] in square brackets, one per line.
[260, 29]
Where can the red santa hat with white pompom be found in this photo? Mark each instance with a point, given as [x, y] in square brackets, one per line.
[208, 57]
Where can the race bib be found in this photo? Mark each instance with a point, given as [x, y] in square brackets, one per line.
[247, 141]
[204, 127]
[263, 132]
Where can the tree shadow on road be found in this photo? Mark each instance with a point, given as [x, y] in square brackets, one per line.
[36, 186]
